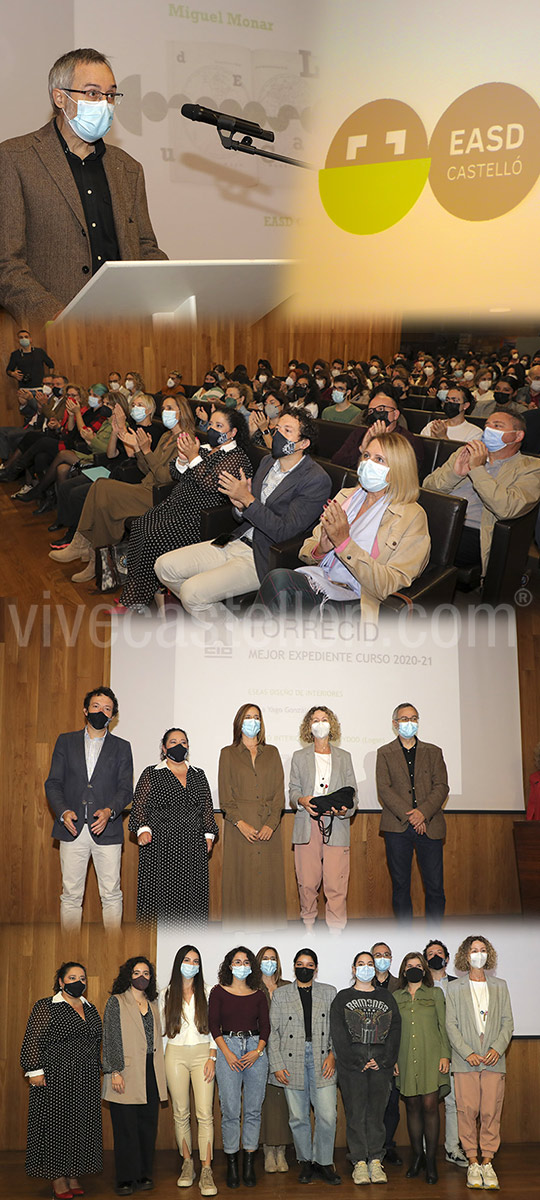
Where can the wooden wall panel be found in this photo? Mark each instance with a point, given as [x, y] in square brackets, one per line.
[30, 956]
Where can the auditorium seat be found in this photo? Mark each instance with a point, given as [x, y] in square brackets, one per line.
[507, 560]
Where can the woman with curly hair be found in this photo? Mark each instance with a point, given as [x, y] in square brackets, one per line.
[480, 1025]
[240, 1024]
[423, 1060]
[533, 807]
[60, 1057]
[134, 1072]
[321, 847]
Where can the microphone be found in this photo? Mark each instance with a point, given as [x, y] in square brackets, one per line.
[210, 116]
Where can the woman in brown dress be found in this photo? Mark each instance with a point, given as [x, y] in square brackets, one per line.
[252, 798]
[275, 1132]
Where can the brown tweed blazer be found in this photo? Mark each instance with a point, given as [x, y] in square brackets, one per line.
[45, 254]
[394, 787]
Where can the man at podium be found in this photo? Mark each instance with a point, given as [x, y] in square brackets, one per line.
[68, 201]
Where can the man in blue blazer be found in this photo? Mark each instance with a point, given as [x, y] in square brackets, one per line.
[284, 499]
[90, 783]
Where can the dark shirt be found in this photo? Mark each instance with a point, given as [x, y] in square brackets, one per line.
[306, 996]
[237, 1013]
[31, 364]
[349, 453]
[410, 756]
[365, 1025]
[93, 188]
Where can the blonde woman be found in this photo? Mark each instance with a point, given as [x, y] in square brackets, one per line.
[321, 848]
[275, 1132]
[372, 539]
[479, 1023]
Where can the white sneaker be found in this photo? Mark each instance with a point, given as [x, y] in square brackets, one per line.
[376, 1172]
[474, 1176]
[457, 1157]
[187, 1175]
[22, 491]
[206, 1182]
[360, 1173]
[489, 1177]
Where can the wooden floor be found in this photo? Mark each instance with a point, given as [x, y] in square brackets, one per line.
[516, 1166]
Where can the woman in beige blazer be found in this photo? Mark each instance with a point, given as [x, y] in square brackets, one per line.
[134, 1072]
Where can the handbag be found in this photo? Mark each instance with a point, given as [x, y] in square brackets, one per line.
[342, 798]
[111, 567]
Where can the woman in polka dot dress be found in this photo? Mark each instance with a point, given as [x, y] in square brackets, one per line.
[173, 818]
[61, 1057]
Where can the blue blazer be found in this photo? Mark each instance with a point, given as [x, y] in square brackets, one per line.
[110, 786]
[291, 511]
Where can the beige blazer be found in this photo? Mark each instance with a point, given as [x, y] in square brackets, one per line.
[516, 487]
[45, 254]
[463, 1031]
[135, 1048]
[394, 787]
[404, 548]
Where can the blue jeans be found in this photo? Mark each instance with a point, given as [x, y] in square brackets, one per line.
[400, 848]
[231, 1084]
[323, 1100]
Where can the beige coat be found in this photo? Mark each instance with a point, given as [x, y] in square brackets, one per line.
[253, 872]
[404, 548]
[135, 1049]
[516, 487]
[45, 256]
[110, 502]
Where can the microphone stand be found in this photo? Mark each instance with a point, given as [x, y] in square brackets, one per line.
[226, 137]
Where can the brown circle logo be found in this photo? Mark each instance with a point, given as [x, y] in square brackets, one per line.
[485, 152]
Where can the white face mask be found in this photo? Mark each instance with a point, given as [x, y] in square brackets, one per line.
[130, 384]
[289, 381]
[372, 475]
[374, 371]
[484, 385]
[469, 375]
[535, 385]
[320, 729]
[429, 370]
[47, 391]
[321, 383]
[114, 387]
[170, 381]
[478, 959]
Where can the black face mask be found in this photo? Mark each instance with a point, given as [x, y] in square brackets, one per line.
[450, 408]
[141, 982]
[300, 389]
[375, 414]
[213, 437]
[177, 753]
[437, 963]
[75, 990]
[304, 974]
[98, 720]
[280, 446]
[57, 391]
[501, 397]
[414, 974]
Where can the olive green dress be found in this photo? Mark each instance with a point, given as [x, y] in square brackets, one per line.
[423, 1042]
[275, 1130]
[253, 872]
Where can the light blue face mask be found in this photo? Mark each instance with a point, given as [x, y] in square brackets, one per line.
[269, 966]
[251, 726]
[365, 973]
[382, 964]
[408, 729]
[442, 393]
[92, 120]
[372, 475]
[138, 412]
[189, 970]
[169, 418]
[493, 440]
[241, 972]
[93, 401]
[337, 396]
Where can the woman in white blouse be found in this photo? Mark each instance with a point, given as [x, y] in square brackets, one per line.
[190, 1059]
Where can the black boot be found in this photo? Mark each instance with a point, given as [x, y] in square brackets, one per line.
[417, 1164]
[48, 503]
[248, 1172]
[233, 1176]
[431, 1171]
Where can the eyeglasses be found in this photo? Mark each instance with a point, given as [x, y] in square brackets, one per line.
[94, 95]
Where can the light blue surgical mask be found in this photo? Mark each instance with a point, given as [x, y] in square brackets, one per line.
[189, 970]
[337, 396]
[365, 973]
[269, 966]
[169, 418]
[241, 972]
[372, 475]
[493, 440]
[408, 729]
[442, 393]
[92, 120]
[382, 964]
[458, 373]
[93, 401]
[24, 341]
[138, 412]
[251, 726]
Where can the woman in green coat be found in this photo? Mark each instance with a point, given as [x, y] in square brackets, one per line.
[423, 1060]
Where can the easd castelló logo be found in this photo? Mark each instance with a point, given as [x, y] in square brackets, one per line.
[482, 160]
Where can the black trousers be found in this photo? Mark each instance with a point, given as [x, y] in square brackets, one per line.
[365, 1097]
[72, 494]
[400, 848]
[135, 1131]
[391, 1116]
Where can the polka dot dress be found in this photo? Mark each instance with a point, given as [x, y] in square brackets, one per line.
[173, 867]
[64, 1117]
[177, 521]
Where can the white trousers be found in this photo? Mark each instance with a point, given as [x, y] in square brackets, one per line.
[74, 859]
[203, 574]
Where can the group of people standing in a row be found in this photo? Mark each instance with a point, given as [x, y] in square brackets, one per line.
[277, 1050]
[90, 783]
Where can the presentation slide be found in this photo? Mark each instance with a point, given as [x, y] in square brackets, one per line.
[467, 697]
[512, 943]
